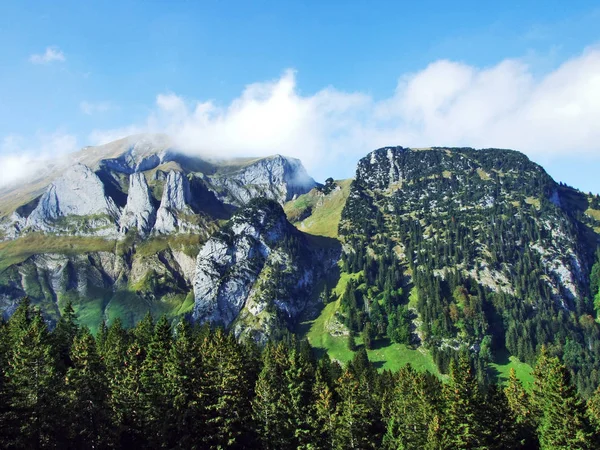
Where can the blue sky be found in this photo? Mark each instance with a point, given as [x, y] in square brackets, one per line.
[326, 81]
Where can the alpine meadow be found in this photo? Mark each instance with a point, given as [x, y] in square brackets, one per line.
[393, 245]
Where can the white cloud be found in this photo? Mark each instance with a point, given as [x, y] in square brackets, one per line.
[50, 55]
[27, 158]
[91, 108]
[446, 103]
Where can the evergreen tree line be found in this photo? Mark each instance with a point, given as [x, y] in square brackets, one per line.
[193, 387]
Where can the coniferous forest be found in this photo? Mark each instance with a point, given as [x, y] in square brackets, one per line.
[195, 387]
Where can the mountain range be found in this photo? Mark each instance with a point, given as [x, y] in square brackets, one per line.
[424, 250]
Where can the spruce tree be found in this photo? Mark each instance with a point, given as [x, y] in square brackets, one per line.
[126, 400]
[353, 415]
[299, 376]
[324, 422]
[34, 387]
[63, 336]
[562, 422]
[86, 395]
[414, 406]
[271, 406]
[463, 407]
[156, 394]
[521, 412]
[228, 404]
[185, 374]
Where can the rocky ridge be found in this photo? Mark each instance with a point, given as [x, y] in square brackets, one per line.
[257, 273]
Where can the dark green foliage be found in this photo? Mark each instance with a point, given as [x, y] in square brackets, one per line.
[562, 419]
[86, 396]
[448, 219]
[193, 387]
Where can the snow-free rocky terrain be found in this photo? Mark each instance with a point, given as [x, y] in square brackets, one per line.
[117, 228]
[136, 226]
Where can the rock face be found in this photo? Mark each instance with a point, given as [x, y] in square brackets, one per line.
[174, 204]
[257, 271]
[139, 211]
[278, 178]
[121, 230]
[79, 192]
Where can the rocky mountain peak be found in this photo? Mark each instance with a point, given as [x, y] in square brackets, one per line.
[139, 212]
[175, 200]
[79, 192]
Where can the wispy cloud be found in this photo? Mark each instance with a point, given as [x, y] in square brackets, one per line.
[91, 108]
[52, 54]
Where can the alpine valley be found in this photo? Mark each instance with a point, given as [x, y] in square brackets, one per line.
[424, 253]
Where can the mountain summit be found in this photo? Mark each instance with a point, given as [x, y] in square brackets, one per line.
[119, 226]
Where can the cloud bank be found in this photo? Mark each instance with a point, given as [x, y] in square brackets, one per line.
[51, 54]
[447, 103]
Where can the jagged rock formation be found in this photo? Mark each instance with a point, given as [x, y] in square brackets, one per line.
[112, 187]
[278, 178]
[78, 193]
[174, 204]
[255, 273]
[138, 200]
[139, 211]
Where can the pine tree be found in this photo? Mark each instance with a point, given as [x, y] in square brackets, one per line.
[185, 374]
[155, 388]
[227, 401]
[325, 419]
[271, 405]
[34, 387]
[299, 376]
[501, 428]
[351, 342]
[353, 415]
[519, 405]
[63, 336]
[562, 422]
[86, 394]
[126, 399]
[463, 401]
[593, 407]
[144, 331]
[414, 406]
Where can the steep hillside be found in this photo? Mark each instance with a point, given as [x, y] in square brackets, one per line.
[462, 248]
[258, 273]
[319, 212]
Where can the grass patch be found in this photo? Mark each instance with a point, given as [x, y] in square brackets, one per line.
[483, 174]
[17, 251]
[324, 212]
[384, 355]
[501, 370]
[188, 243]
[593, 213]
[533, 201]
[413, 298]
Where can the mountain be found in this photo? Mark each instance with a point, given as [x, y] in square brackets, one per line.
[423, 253]
[450, 248]
[117, 228]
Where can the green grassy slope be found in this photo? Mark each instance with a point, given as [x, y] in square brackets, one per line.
[317, 214]
[326, 335]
